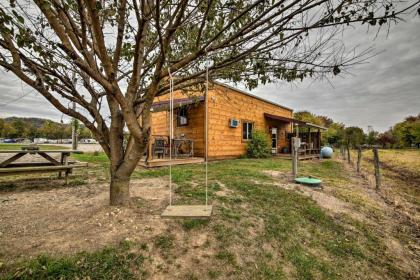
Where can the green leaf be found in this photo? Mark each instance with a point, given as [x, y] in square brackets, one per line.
[98, 5]
[336, 70]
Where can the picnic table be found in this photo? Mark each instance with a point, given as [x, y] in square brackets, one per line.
[9, 166]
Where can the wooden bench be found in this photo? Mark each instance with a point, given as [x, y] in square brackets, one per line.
[67, 169]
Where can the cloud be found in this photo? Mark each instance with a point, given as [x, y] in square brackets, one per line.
[18, 99]
[379, 93]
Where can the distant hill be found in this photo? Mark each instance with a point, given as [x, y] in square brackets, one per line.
[17, 127]
[36, 122]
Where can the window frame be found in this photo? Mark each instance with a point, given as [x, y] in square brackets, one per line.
[179, 116]
[248, 134]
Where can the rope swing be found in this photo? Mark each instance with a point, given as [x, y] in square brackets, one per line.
[206, 123]
[187, 211]
[171, 131]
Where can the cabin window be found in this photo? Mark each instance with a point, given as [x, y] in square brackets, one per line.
[182, 118]
[247, 128]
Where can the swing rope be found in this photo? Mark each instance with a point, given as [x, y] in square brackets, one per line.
[206, 128]
[171, 131]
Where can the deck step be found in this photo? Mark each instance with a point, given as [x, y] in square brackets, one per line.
[166, 162]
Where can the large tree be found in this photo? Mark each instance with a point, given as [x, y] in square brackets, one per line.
[113, 57]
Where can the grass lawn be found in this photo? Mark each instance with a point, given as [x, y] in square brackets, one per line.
[263, 227]
[400, 173]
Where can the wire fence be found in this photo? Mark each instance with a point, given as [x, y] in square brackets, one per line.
[365, 159]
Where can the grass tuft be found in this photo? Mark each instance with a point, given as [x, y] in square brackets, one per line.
[191, 224]
[108, 263]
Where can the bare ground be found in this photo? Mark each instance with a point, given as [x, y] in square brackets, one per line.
[68, 220]
[65, 220]
[376, 211]
[73, 219]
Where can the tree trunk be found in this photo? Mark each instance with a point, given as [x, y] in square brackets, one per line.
[121, 169]
[119, 194]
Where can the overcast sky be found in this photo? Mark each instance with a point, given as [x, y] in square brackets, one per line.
[379, 93]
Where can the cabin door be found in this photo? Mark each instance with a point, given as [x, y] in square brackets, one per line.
[274, 140]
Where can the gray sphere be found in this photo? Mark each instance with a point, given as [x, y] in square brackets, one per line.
[326, 152]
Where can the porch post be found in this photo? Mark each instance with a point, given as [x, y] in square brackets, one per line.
[149, 149]
[309, 140]
[295, 155]
[319, 140]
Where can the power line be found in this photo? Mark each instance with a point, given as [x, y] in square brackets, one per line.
[14, 100]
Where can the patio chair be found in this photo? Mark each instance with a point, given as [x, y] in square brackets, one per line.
[159, 148]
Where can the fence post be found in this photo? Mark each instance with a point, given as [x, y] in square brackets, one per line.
[348, 153]
[295, 155]
[376, 165]
[359, 158]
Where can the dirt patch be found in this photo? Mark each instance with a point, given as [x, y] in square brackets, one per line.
[72, 219]
[388, 222]
[397, 172]
[325, 200]
[224, 191]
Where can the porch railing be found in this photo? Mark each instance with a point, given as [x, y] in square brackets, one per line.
[159, 147]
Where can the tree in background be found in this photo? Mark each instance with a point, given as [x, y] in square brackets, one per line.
[334, 135]
[326, 121]
[407, 133]
[2, 127]
[354, 136]
[119, 54]
[53, 130]
[372, 137]
[35, 128]
[19, 129]
[49, 130]
[32, 131]
[307, 116]
[386, 139]
[84, 132]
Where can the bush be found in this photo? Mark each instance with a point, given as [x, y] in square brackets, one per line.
[259, 146]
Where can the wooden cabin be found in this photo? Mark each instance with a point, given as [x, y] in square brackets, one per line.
[233, 116]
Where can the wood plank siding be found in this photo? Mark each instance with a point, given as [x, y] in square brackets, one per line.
[194, 130]
[224, 103]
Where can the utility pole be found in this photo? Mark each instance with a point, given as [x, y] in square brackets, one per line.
[74, 122]
[74, 131]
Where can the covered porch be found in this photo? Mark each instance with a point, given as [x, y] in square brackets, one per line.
[186, 145]
[309, 134]
[160, 152]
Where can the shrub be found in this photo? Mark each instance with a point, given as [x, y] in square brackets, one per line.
[259, 146]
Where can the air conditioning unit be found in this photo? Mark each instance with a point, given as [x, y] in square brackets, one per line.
[233, 123]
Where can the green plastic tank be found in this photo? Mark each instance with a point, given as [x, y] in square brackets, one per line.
[309, 181]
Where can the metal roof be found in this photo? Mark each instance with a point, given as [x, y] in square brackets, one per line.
[291, 120]
[164, 105]
[251, 95]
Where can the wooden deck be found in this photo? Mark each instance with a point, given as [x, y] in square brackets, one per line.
[165, 161]
[301, 157]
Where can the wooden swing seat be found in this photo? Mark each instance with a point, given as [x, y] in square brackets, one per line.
[188, 211]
